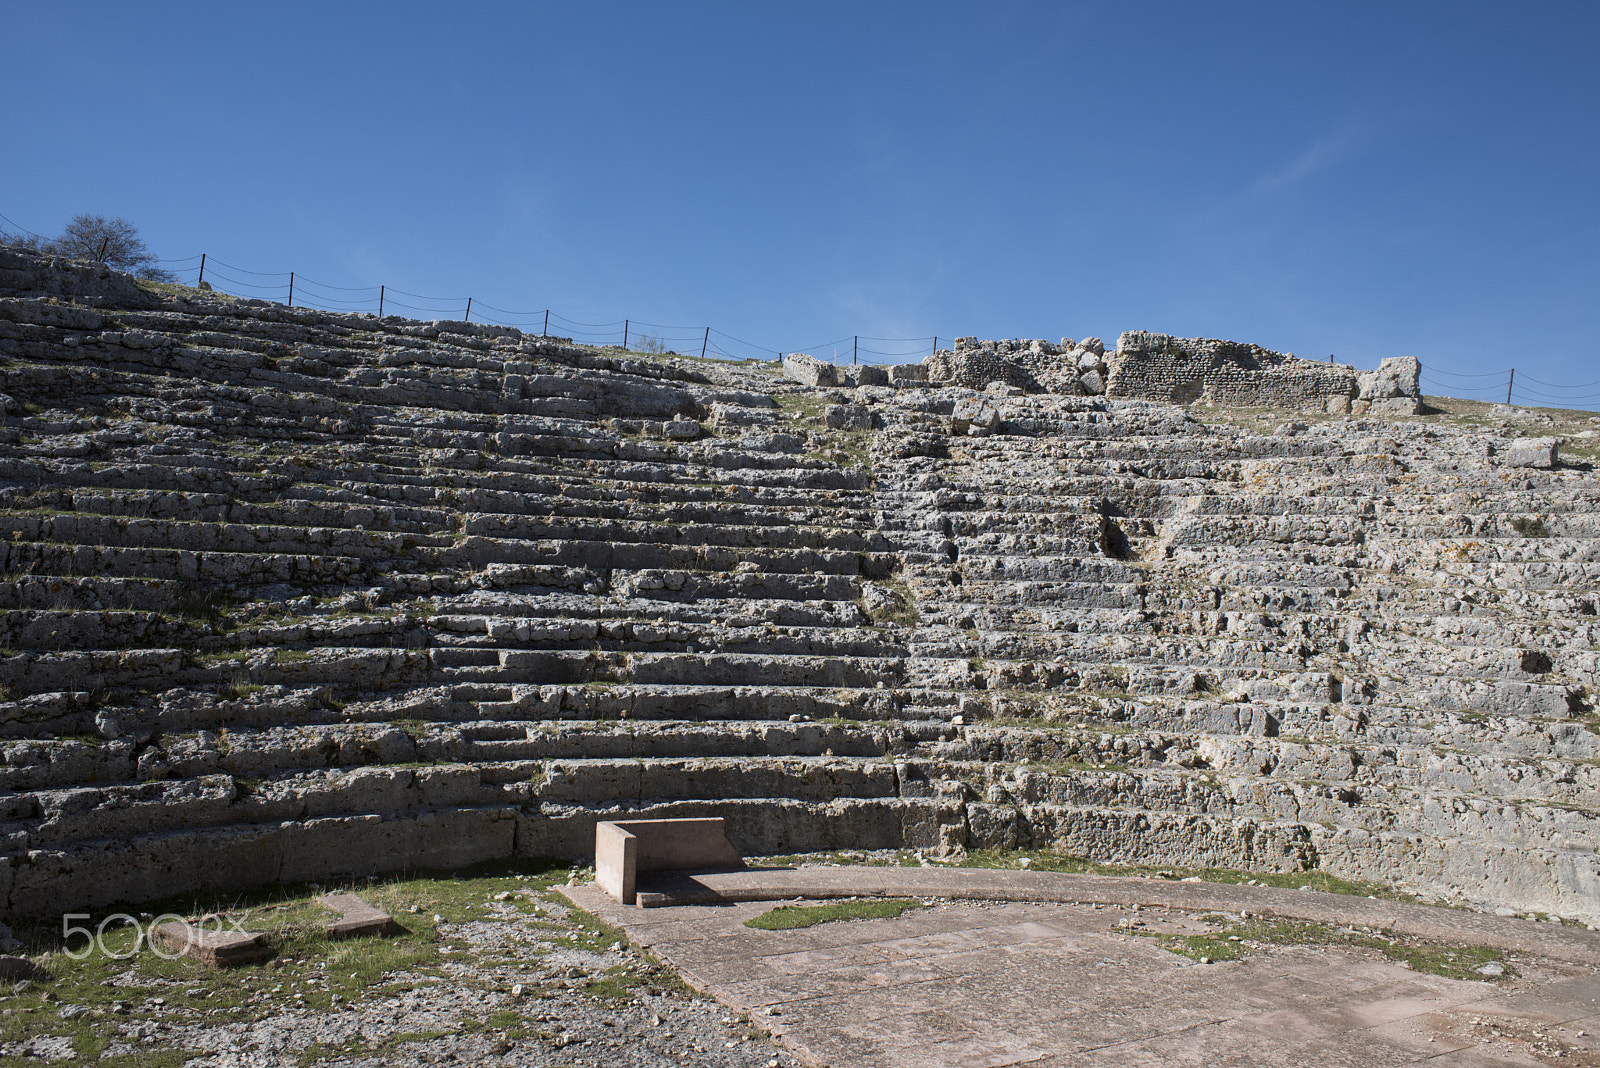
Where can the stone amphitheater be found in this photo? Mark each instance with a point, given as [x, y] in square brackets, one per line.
[292, 594]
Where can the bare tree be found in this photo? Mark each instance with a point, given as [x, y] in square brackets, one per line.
[114, 242]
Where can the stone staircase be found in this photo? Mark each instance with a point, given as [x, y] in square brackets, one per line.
[291, 594]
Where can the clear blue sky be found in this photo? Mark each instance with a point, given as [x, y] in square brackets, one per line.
[1364, 179]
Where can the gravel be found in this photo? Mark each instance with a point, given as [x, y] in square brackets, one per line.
[513, 997]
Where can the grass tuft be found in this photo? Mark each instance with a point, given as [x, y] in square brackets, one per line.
[1236, 939]
[793, 917]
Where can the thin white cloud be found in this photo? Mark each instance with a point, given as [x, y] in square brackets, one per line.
[881, 313]
[1327, 151]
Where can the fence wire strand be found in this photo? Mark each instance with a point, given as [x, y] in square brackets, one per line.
[310, 292]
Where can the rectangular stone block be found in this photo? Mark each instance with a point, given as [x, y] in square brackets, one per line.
[356, 917]
[220, 949]
[616, 861]
[809, 371]
[624, 848]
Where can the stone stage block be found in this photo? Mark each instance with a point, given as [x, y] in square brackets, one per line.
[625, 848]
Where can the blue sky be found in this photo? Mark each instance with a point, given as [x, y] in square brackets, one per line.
[1363, 179]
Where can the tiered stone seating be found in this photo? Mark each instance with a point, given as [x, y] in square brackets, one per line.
[1315, 659]
[293, 593]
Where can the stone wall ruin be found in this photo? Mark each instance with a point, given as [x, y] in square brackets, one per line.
[1173, 370]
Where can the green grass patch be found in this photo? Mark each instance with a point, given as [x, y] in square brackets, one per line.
[416, 728]
[809, 407]
[899, 858]
[1044, 860]
[1530, 526]
[1236, 939]
[305, 962]
[791, 917]
[901, 611]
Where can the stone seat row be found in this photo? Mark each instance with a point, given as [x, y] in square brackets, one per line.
[1070, 805]
[505, 751]
[234, 536]
[262, 779]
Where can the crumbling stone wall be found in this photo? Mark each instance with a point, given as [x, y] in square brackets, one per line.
[1235, 374]
[1071, 369]
[1174, 370]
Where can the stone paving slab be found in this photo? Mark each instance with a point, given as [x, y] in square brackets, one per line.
[1001, 884]
[357, 918]
[220, 949]
[1055, 983]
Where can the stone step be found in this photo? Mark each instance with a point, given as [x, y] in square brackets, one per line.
[1056, 768]
[644, 636]
[470, 552]
[181, 565]
[672, 531]
[199, 537]
[674, 597]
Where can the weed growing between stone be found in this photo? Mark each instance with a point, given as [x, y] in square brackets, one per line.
[1044, 860]
[880, 858]
[1235, 939]
[792, 917]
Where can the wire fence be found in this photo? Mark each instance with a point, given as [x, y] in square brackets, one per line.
[296, 290]
[1507, 387]
[637, 335]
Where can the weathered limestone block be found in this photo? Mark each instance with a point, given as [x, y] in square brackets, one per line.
[26, 275]
[49, 312]
[849, 417]
[1229, 373]
[1529, 452]
[366, 845]
[1393, 387]
[974, 416]
[755, 826]
[720, 414]
[975, 368]
[809, 371]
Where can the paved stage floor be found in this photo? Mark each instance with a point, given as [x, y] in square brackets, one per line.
[1054, 984]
